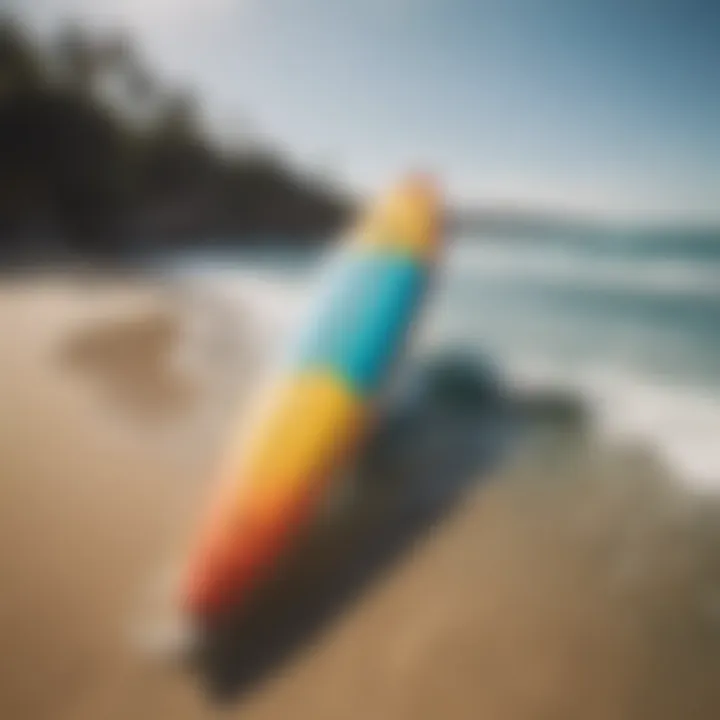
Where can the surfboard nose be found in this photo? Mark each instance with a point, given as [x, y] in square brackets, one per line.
[408, 220]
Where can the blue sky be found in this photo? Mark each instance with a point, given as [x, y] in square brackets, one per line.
[607, 106]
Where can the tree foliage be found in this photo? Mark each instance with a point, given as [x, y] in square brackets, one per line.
[99, 156]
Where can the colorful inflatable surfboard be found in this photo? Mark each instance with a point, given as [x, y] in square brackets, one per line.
[318, 410]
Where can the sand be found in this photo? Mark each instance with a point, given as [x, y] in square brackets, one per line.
[574, 583]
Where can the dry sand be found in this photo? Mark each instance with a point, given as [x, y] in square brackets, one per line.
[576, 584]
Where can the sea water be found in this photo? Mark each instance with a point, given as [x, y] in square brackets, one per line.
[629, 321]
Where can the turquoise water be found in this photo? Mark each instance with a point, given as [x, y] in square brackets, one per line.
[630, 322]
[650, 310]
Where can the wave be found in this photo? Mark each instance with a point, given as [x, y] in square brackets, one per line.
[651, 276]
[698, 245]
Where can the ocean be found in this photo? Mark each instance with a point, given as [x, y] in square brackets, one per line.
[629, 322]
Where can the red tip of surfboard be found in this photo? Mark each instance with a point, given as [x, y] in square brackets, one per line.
[220, 576]
[233, 562]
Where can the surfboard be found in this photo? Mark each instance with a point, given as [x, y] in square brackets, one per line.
[312, 419]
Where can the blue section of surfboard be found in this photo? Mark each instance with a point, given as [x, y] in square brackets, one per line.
[370, 302]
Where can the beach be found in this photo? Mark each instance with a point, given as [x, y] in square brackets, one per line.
[576, 582]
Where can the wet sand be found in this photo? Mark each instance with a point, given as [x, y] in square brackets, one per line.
[576, 583]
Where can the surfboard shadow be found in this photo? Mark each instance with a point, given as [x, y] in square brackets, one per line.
[444, 429]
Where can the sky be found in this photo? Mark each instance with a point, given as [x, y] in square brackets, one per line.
[610, 107]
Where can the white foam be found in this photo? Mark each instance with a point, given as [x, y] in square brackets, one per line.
[157, 629]
[270, 304]
[235, 306]
[682, 424]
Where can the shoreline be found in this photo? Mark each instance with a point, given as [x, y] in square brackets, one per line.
[577, 581]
